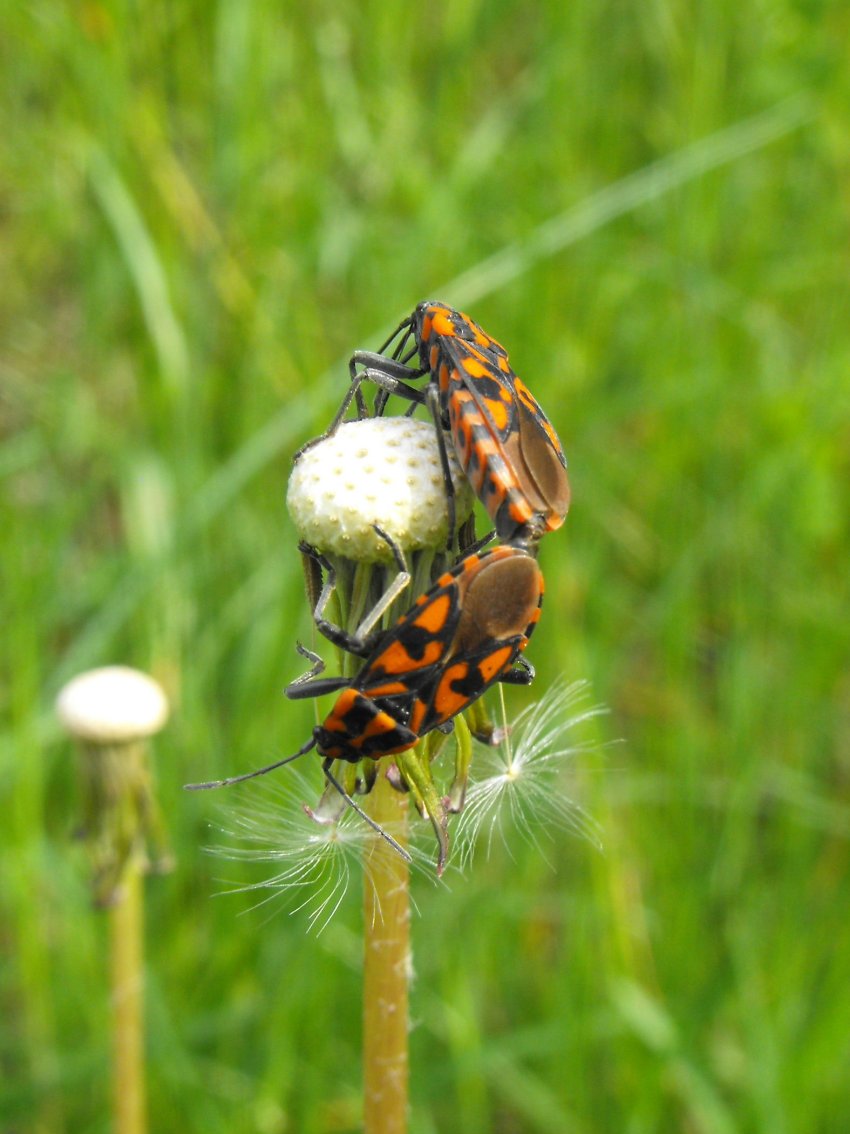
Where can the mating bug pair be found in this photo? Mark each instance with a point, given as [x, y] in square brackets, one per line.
[462, 636]
[469, 630]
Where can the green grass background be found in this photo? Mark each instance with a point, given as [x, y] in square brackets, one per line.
[203, 209]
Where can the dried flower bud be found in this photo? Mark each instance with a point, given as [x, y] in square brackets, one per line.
[112, 705]
[110, 712]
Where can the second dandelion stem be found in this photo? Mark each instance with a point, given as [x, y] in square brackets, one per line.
[386, 968]
[127, 990]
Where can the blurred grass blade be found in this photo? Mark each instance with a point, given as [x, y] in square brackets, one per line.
[145, 267]
[94, 638]
[649, 1020]
[629, 193]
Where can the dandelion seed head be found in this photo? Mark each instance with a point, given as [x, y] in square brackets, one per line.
[518, 785]
[313, 862]
[383, 470]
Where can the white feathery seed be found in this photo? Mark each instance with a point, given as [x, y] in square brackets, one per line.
[516, 786]
[382, 470]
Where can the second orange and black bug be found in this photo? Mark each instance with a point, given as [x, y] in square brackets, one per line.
[457, 640]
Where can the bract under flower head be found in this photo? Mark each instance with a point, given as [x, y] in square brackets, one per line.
[383, 470]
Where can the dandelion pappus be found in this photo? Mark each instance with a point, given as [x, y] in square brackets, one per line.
[459, 638]
[506, 445]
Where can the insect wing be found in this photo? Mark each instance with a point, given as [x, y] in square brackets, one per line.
[463, 680]
[358, 726]
[500, 594]
[505, 402]
[481, 363]
[414, 648]
[504, 441]
[436, 323]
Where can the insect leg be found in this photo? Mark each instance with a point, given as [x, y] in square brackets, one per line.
[476, 545]
[405, 325]
[326, 768]
[352, 393]
[315, 669]
[389, 376]
[315, 563]
[389, 596]
[522, 674]
[432, 398]
[363, 640]
[311, 743]
[309, 686]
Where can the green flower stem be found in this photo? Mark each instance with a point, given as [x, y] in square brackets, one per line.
[416, 770]
[127, 980]
[386, 967]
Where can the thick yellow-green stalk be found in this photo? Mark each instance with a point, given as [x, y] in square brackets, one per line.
[383, 471]
[126, 925]
[386, 968]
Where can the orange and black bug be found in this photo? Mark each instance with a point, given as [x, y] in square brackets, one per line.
[503, 439]
[459, 638]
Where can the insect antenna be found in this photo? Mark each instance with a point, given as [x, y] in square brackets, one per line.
[250, 775]
[376, 827]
